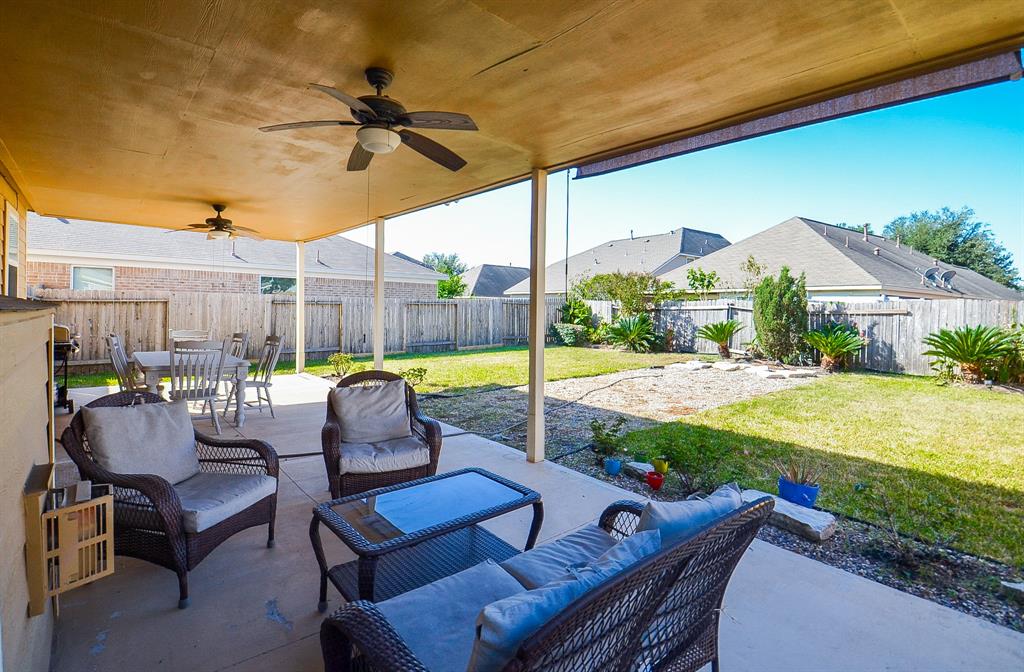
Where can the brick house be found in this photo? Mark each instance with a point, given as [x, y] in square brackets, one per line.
[84, 255]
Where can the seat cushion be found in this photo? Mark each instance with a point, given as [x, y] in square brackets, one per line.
[208, 497]
[551, 561]
[372, 413]
[504, 625]
[143, 439]
[374, 458]
[679, 520]
[438, 621]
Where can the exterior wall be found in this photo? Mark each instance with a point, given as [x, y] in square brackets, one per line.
[12, 201]
[48, 275]
[24, 407]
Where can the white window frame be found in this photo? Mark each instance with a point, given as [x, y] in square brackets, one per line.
[259, 287]
[113, 276]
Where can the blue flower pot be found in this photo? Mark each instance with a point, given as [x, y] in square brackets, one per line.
[612, 466]
[804, 495]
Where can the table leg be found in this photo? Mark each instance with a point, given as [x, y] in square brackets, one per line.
[240, 398]
[538, 520]
[318, 551]
[152, 381]
[367, 572]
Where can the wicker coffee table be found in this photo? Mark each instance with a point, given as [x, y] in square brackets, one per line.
[408, 535]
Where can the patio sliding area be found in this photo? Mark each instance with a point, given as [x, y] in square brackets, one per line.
[254, 608]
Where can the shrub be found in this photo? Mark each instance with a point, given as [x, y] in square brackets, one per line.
[605, 438]
[1011, 369]
[343, 364]
[633, 332]
[414, 375]
[576, 311]
[569, 334]
[698, 463]
[780, 315]
[634, 292]
[720, 333]
[974, 350]
[835, 342]
[701, 282]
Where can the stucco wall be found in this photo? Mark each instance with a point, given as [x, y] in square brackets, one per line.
[23, 443]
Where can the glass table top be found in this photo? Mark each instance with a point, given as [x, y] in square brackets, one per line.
[394, 514]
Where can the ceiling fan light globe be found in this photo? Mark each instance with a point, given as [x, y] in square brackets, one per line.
[378, 140]
[218, 234]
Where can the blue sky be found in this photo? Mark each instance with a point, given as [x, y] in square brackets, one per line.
[961, 149]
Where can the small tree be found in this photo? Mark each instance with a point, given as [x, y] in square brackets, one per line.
[701, 282]
[453, 267]
[780, 315]
[451, 287]
[752, 273]
[635, 293]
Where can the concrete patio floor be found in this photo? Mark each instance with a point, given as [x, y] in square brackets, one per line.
[254, 608]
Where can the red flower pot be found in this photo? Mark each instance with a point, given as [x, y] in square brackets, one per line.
[655, 480]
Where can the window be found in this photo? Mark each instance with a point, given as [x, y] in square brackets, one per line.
[276, 285]
[92, 277]
[12, 236]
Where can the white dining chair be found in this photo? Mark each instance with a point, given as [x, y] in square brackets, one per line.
[197, 367]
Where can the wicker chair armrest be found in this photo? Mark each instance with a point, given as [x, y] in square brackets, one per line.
[153, 492]
[362, 625]
[245, 454]
[330, 440]
[621, 518]
[430, 431]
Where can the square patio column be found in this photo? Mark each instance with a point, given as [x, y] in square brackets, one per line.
[300, 306]
[538, 315]
[378, 294]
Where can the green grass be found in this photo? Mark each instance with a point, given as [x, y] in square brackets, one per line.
[950, 460]
[476, 368]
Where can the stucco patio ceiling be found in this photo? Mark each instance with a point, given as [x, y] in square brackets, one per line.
[143, 112]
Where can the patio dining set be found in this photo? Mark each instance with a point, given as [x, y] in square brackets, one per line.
[640, 588]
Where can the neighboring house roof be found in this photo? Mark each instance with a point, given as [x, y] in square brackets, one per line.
[99, 243]
[642, 254]
[492, 280]
[835, 258]
[413, 260]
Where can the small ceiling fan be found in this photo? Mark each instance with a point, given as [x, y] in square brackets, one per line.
[378, 115]
[219, 227]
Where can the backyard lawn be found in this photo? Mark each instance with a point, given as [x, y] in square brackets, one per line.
[948, 460]
[476, 368]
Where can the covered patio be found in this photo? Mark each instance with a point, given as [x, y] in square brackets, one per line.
[255, 608]
[148, 113]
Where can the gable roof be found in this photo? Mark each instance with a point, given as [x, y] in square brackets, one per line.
[492, 280]
[640, 254]
[101, 243]
[411, 260]
[836, 258]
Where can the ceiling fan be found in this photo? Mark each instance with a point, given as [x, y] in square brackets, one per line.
[378, 115]
[219, 228]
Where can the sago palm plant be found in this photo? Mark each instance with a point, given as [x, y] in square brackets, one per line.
[972, 349]
[835, 342]
[720, 333]
[633, 332]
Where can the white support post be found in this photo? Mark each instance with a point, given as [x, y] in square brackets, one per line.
[378, 295]
[300, 306]
[538, 315]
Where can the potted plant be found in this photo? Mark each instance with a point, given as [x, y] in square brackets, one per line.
[660, 465]
[798, 483]
[605, 440]
[655, 480]
[612, 465]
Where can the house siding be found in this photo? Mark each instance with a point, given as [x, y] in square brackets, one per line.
[49, 275]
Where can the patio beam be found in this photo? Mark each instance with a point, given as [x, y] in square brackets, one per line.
[378, 294]
[300, 306]
[538, 314]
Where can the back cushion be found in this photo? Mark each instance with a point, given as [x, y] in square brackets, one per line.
[372, 413]
[504, 625]
[679, 520]
[143, 439]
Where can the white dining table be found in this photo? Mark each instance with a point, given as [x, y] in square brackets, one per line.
[156, 364]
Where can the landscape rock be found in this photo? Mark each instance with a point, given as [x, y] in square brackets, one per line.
[727, 366]
[637, 469]
[692, 365]
[757, 368]
[1014, 590]
[798, 373]
[768, 373]
[808, 523]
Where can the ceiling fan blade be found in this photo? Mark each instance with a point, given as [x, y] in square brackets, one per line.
[307, 124]
[190, 227]
[245, 233]
[432, 150]
[351, 101]
[441, 121]
[359, 159]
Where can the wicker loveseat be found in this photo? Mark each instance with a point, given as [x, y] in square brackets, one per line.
[150, 522]
[660, 614]
[425, 430]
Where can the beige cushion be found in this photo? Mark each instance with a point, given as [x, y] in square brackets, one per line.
[438, 620]
[375, 458]
[372, 413]
[551, 561]
[143, 439]
[208, 498]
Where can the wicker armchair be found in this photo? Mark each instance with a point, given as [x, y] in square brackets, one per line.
[427, 429]
[147, 510]
[661, 614]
